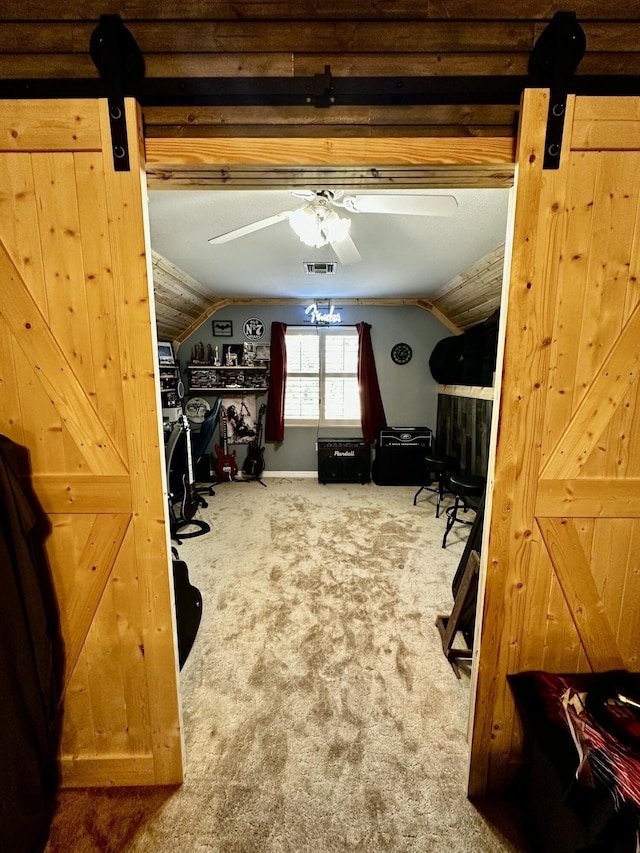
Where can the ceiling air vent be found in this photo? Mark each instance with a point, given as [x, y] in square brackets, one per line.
[320, 267]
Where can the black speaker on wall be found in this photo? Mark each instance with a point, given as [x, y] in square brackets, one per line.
[344, 460]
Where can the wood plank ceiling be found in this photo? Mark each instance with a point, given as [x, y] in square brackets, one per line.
[289, 38]
[298, 38]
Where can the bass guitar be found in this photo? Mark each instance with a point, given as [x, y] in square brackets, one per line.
[226, 465]
[254, 463]
[190, 500]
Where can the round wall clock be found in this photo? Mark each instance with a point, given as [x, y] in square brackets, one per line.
[401, 353]
[195, 409]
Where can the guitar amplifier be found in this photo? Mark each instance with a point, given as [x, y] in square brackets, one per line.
[344, 460]
[400, 453]
[404, 437]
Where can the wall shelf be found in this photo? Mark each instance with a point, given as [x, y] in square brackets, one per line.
[214, 379]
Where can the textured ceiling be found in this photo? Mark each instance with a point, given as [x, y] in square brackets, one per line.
[402, 256]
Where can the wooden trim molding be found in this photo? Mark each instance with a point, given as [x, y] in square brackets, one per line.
[351, 151]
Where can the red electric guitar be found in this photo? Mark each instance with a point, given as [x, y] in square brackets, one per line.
[226, 465]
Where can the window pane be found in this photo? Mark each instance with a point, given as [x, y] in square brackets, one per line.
[302, 397]
[342, 400]
[341, 353]
[302, 354]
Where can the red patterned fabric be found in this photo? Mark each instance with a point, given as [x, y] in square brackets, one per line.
[595, 711]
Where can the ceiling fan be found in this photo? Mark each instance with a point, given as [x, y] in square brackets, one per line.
[317, 223]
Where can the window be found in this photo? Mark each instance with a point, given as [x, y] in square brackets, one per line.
[322, 377]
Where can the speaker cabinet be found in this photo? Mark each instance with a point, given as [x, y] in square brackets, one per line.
[400, 456]
[344, 460]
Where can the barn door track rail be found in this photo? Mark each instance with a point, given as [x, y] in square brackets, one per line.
[115, 53]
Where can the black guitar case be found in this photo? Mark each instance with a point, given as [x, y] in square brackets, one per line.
[188, 600]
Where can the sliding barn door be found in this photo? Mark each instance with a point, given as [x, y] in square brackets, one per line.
[561, 562]
[77, 388]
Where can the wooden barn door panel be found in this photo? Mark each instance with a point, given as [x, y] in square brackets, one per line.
[559, 580]
[79, 391]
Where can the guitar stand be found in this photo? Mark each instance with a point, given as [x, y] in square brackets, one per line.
[246, 479]
[448, 625]
[176, 523]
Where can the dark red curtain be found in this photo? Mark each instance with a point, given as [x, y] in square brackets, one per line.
[274, 421]
[371, 408]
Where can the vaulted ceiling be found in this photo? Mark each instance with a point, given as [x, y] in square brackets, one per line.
[403, 256]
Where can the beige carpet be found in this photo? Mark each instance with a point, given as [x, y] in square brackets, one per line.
[319, 711]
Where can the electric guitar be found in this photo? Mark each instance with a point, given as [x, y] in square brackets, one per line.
[189, 504]
[254, 463]
[226, 466]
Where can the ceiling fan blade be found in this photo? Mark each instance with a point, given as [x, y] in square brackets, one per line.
[408, 205]
[307, 195]
[249, 229]
[346, 251]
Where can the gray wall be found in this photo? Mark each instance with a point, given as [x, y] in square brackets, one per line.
[409, 393]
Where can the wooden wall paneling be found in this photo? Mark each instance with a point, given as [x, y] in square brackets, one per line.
[615, 201]
[475, 294]
[79, 733]
[305, 10]
[70, 532]
[52, 132]
[452, 120]
[507, 556]
[93, 567]
[19, 218]
[330, 152]
[462, 430]
[44, 354]
[629, 623]
[606, 126]
[573, 571]
[42, 431]
[277, 36]
[59, 227]
[10, 389]
[317, 35]
[179, 300]
[101, 313]
[99, 463]
[611, 546]
[203, 177]
[574, 272]
[617, 373]
[102, 650]
[565, 509]
[128, 607]
[133, 285]
[544, 610]
[65, 65]
[397, 39]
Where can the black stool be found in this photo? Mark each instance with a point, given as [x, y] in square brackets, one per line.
[438, 469]
[468, 489]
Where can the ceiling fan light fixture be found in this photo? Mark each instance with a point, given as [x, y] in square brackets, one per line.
[307, 225]
[316, 226]
[334, 228]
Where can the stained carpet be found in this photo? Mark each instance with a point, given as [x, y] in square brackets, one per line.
[319, 711]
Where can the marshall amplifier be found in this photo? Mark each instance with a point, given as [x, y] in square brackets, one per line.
[344, 460]
[400, 453]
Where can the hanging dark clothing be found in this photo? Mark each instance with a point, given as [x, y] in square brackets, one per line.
[29, 682]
